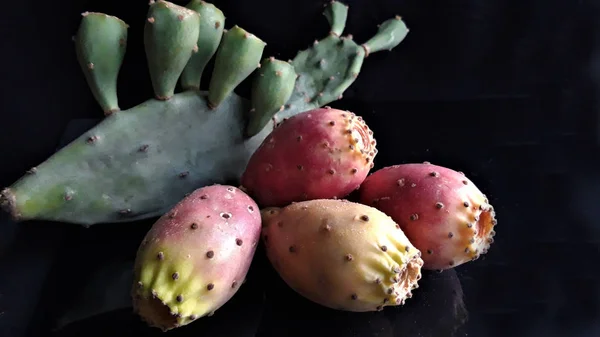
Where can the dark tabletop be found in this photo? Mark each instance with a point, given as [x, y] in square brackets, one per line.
[506, 91]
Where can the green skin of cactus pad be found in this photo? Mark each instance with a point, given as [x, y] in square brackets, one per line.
[138, 163]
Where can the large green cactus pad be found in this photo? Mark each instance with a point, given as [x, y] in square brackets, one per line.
[137, 163]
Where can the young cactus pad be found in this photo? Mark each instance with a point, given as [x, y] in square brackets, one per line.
[100, 46]
[237, 57]
[212, 23]
[170, 37]
[273, 85]
[139, 162]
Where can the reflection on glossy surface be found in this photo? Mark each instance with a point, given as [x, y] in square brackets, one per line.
[238, 317]
[436, 309]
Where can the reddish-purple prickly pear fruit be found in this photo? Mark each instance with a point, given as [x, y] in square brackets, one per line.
[195, 257]
[341, 255]
[318, 154]
[441, 211]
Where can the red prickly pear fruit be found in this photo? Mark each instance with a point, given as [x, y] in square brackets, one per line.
[341, 255]
[441, 211]
[318, 154]
[195, 257]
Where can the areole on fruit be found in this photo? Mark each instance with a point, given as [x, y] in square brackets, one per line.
[342, 255]
[194, 257]
[317, 154]
[441, 211]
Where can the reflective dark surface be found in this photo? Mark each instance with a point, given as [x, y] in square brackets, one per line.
[505, 91]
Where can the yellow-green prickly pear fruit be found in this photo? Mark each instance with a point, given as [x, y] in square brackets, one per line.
[195, 257]
[340, 254]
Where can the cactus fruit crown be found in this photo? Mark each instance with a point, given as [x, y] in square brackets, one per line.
[138, 163]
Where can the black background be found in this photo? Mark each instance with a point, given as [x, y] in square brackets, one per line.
[506, 91]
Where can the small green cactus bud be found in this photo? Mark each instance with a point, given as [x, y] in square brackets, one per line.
[237, 57]
[390, 33]
[170, 38]
[272, 87]
[100, 45]
[212, 23]
[336, 14]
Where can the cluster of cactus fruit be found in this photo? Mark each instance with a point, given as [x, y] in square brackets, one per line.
[294, 161]
[347, 255]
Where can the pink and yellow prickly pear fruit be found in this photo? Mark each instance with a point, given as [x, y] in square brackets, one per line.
[341, 255]
[195, 257]
[318, 154]
[441, 211]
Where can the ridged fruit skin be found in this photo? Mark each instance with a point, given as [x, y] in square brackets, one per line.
[342, 255]
[441, 211]
[318, 154]
[195, 257]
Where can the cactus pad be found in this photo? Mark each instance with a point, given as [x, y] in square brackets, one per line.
[212, 23]
[273, 85]
[237, 57]
[139, 162]
[100, 46]
[170, 37]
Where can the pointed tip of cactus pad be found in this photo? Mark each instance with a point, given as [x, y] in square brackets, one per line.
[8, 204]
[112, 17]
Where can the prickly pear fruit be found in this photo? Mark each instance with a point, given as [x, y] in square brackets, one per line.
[317, 154]
[441, 211]
[195, 257]
[100, 45]
[272, 87]
[170, 37]
[340, 254]
[118, 172]
[237, 57]
[212, 23]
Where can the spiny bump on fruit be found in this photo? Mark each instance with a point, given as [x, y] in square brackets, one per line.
[100, 45]
[170, 37]
[212, 23]
[238, 55]
[442, 212]
[191, 260]
[320, 153]
[329, 253]
[272, 87]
